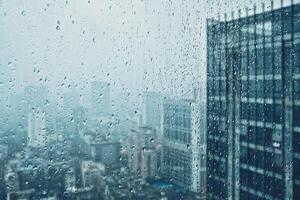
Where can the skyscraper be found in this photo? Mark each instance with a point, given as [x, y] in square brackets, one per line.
[184, 144]
[153, 109]
[143, 154]
[36, 128]
[101, 105]
[253, 83]
[35, 97]
[70, 101]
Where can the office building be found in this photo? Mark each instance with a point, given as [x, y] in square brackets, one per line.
[80, 119]
[144, 152]
[35, 97]
[149, 166]
[36, 128]
[70, 101]
[253, 105]
[184, 144]
[152, 109]
[3, 160]
[106, 152]
[101, 105]
[92, 173]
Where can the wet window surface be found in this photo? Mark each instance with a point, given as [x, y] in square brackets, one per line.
[149, 99]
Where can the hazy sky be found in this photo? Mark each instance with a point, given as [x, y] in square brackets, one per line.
[135, 44]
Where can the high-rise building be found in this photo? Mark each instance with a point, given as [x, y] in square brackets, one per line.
[149, 158]
[144, 152]
[152, 109]
[101, 105]
[80, 119]
[36, 128]
[184, 144]
[106, 152]
[3, 160]
[253, 105]
[70, 101]
[35, 97]
[91, 173]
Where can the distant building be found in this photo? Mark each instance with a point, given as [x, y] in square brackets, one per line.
[152, 109]
[80, 119]
[70, 101]
[35, 97]
[36, 128]
[20, 109]
[107, 152]
[184, 144]
[11, 177]
[92, 173]
[59, 127]
[3, 160]
[70, 180]
[32, 194]
[149, 165]
[101, 105]
[76, 122]
[122, 108]
[253, 105]
[86, 193]
[144, 152]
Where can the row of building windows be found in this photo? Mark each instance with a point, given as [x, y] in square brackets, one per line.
[258, 136]
[177, 108]
[178, 166]
[256, 61]
[261, 112]
[179, 121]
[269, 161]
[261, 183]
[177, 135]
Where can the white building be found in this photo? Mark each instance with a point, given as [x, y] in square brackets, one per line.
[184, 143]
[143, 154]
[36, 128]
[101, 105]
[149, 160]
[91, 173]
[152, 109]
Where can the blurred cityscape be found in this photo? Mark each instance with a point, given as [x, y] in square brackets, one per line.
[76, 152]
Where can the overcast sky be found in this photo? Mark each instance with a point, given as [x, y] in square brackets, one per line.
[134, 44]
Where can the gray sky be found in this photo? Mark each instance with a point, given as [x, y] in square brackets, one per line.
[135, 44]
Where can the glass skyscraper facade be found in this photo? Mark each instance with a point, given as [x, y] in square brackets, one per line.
[253, 105]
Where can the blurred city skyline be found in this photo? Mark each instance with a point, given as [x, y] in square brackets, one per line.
[137, 45]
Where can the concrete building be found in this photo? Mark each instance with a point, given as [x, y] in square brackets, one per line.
[71, 101]
[37, 128]
[149, 165]
[152, 110]
[253, 84]
[106, 152]
[35, 97]
[184, 144]
[101, 105]
[91, 173]
[144, 152]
